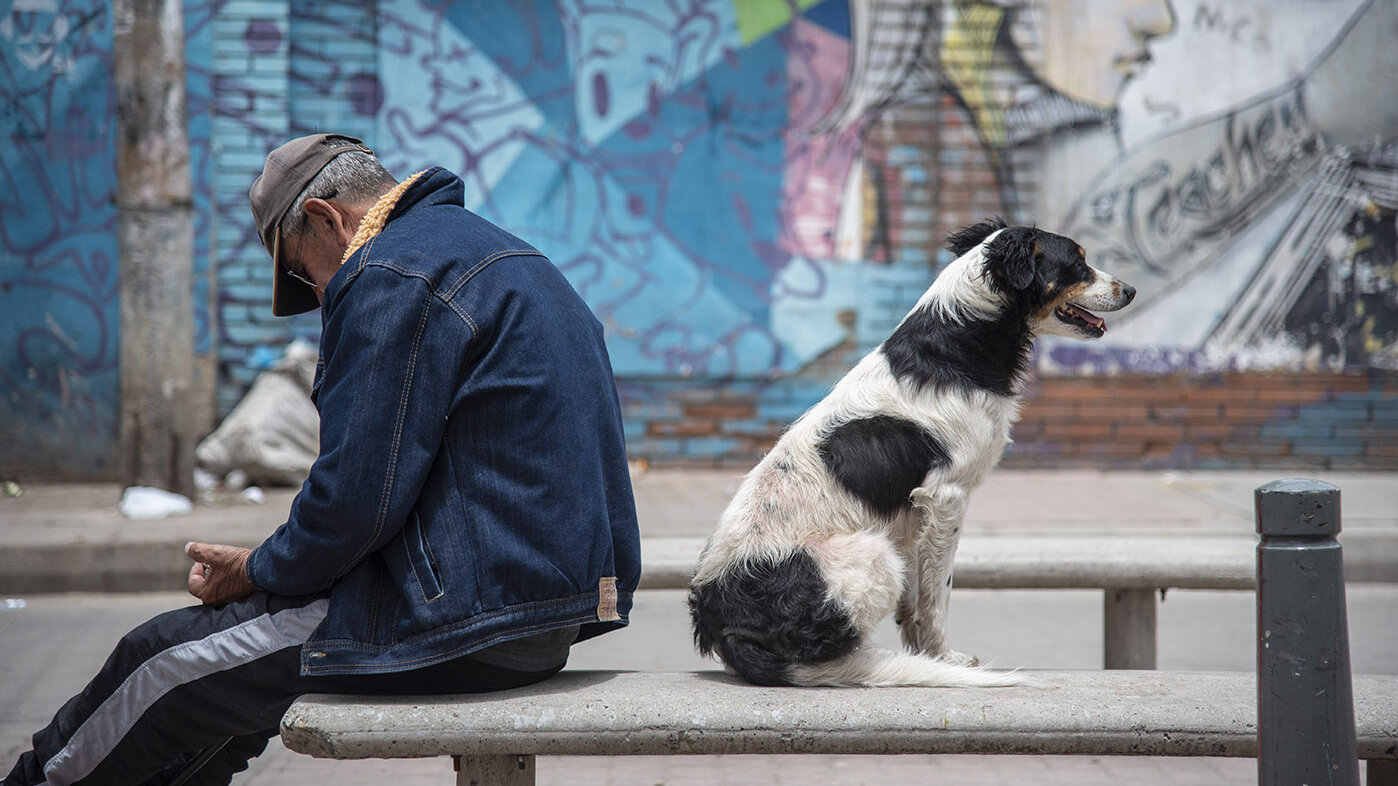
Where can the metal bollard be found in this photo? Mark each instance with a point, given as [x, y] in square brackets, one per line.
[1305, 701]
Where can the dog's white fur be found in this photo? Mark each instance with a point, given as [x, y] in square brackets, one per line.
[789, 501]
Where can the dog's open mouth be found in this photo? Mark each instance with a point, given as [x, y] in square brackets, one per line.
[1081, 318]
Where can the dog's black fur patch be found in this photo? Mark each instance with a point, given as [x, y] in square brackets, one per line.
[929, 350]
[881, 459]
[764, 617]
[967, 238]
[988, 353]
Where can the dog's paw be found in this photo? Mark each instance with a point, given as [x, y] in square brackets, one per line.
[959, 658]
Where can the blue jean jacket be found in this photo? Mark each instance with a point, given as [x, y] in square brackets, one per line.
[472, 484]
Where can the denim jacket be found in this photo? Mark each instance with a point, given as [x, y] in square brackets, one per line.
[472, 484]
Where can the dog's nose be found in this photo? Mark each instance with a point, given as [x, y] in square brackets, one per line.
[1129, 292]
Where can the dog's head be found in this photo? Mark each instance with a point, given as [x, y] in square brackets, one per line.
[1045, 276]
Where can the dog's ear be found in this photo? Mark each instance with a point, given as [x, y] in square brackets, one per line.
[1010, 258]
[960, 242]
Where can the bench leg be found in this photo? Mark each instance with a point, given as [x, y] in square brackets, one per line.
[1382, 772]
[1128, 621]
[494, 770]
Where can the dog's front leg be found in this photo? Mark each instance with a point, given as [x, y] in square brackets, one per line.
[926, 600]
[907, 528]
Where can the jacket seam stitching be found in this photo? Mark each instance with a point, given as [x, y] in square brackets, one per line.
[377, 603]
[382, 514]
[465, 317]
[412, 566]
[476, 268]
[443, 297]
[477, 579]
[368, 248]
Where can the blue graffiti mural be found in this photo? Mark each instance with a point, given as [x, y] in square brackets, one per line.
[646, 148]
[662, 155]
[58, 251]
[59, 277]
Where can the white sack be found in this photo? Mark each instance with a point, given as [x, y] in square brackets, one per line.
[273, 435]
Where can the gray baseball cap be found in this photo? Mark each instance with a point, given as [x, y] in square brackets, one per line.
[287, 171]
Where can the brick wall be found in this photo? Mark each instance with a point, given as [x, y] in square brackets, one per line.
[1225, 421]
[1313, 421]
[928, 171]
[682, 422]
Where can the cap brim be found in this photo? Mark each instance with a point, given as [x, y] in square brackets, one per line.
[289, 296]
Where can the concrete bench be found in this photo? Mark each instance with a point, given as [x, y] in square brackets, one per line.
[1130, 570]
[1293, 714]
[495, 737]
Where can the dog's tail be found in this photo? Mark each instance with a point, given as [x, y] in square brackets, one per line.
[874, 667]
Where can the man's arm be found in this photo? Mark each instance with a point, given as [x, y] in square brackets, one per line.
[385, 392]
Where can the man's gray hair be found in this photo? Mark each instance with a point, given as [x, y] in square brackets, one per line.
[352, 178]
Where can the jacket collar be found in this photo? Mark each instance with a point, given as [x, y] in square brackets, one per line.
[436, 186]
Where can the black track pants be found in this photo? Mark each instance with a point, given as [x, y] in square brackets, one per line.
[210, 684]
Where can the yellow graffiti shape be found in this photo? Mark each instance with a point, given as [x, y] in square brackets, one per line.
[967, 53]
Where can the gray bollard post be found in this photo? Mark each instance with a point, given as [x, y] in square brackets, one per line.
[1305, 701]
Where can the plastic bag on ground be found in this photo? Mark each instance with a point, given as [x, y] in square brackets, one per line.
[148, 502]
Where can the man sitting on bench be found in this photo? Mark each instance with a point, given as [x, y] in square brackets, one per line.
[469, 516]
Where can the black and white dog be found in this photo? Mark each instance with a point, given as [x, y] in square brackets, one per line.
[858, 508]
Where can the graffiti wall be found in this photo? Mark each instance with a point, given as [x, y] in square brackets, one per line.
[717, 158]
[58, 252]
[747, 192]
[59, 277]
[661, 154]
[1235, 161]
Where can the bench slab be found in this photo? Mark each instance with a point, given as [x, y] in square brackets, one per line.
[1041, 562]
[709, 712]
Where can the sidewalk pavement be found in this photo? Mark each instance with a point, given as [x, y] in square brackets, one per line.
[71, 537]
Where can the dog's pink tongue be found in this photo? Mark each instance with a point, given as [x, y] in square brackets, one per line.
[1089, 317]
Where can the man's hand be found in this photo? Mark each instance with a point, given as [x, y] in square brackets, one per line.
[219, 574]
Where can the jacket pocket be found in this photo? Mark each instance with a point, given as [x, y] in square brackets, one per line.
[420, 559]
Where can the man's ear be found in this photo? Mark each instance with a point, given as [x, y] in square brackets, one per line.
[1010, 258]
[325, 215]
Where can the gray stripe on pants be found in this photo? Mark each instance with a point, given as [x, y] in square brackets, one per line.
[167, 670]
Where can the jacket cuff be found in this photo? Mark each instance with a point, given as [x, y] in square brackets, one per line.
[250, 570]
[247, 572]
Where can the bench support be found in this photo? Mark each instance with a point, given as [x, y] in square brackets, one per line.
[1128, 628]
[506, 770]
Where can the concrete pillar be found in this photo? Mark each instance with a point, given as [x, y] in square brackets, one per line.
[1128, 629]
[1381, 772]
[1305, 700]
[155, 233]
[494, 770]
